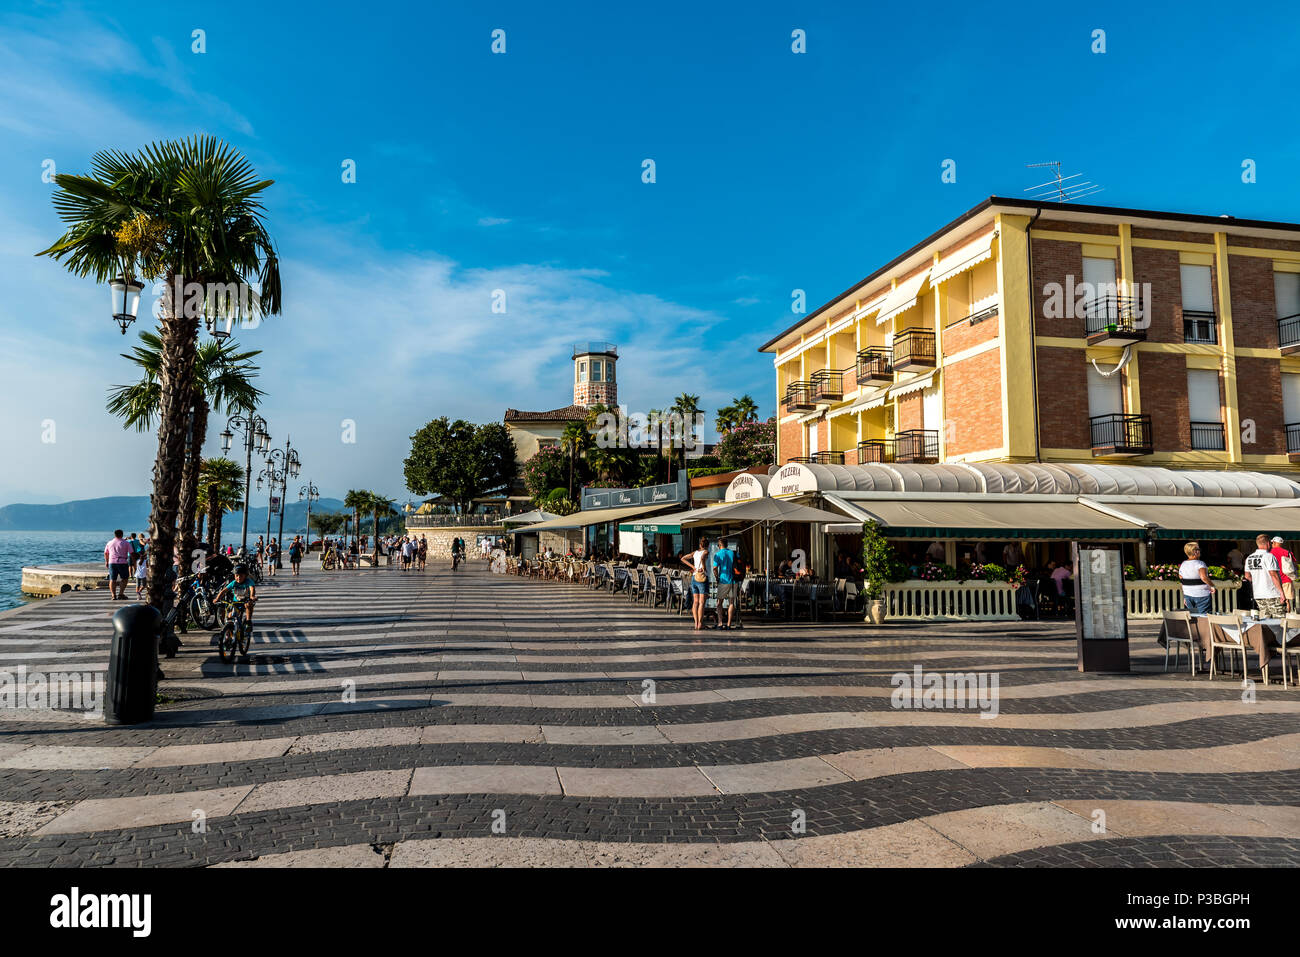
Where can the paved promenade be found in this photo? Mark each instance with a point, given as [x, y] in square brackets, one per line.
[469, 719]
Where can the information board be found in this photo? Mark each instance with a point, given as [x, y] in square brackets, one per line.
[1100, 614]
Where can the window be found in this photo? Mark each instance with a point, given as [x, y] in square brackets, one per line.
[1205, 409]
[1099, 274]
[596, 365]
[1286, 290]
[1198, 304]
[1291, 408]
[582, 371]
[812, 438]
[609, 371]
[1104, 394]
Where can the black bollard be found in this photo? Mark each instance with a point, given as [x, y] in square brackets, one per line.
[132, 685]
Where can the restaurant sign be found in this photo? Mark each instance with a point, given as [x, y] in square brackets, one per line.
[792, 479]
[745, 487]
[650, 495]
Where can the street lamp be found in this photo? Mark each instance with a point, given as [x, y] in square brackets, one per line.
[126, 300]
[279, 463]
[253, 429]
[312, 494]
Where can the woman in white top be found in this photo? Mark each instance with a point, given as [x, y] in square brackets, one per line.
[1197, 590]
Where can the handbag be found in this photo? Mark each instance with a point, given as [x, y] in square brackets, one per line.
[1288, 566]
[699, 576]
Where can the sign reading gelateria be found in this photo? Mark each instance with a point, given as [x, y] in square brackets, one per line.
[746, 486]
[792, 479]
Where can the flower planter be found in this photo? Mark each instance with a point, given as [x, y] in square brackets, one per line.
[877, 613]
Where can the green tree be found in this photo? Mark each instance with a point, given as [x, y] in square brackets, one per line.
[221, 490]
[575, 440]
[379, 506]
[726, 418]
[748, 444]
[544, 471]
[746, 409]
[188, 209]
[356, 502]
[223, 380]
[686, 406]
[459, 460]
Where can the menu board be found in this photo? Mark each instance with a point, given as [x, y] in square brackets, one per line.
[1100, 615]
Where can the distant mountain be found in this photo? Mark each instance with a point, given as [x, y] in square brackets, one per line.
[131, 513]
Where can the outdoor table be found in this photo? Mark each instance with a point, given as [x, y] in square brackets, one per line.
[1263, 636]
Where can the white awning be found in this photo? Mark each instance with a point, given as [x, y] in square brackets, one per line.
[595, 516]
[870, 401]
[967, 257]
[912, 385]
[903, 297]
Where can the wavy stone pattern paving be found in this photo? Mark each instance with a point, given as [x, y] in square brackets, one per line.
[390, 720]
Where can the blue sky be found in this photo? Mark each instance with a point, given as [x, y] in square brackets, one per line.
[522, 172]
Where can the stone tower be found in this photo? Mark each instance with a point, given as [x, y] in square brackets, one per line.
[594, 382]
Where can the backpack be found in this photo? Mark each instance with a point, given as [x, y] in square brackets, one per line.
[1288, 565]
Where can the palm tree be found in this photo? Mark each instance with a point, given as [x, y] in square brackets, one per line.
[187, 210]
[657, 418]
[378, 506]
[221, 490]
[746, 409]
[604, 461]
[726, 419]
[575, 439]
[686, 406]
[356, 501]
[222, 380]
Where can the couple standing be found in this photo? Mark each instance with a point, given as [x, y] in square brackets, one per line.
[724, 565]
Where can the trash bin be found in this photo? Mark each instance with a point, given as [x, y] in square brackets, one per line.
[132, 683]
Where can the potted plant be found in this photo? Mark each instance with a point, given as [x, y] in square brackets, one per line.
[880, 566]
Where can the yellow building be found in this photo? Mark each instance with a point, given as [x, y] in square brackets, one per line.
[1028, 331]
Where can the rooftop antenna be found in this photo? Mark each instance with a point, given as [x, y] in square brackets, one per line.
[1059, 188]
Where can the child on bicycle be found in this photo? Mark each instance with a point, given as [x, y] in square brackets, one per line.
[241, 592]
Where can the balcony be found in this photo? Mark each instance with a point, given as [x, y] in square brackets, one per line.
[1200, 326]
[914, 349]
[800, 397]
[828, 385]
[829, 458]
[1119, 434]
[1207, 436]
[917, 446]
[802, 459]
[1293, 441]
[1288, 334]
[1114, 321]
[875, 367]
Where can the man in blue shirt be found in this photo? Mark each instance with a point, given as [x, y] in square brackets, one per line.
[724, 564]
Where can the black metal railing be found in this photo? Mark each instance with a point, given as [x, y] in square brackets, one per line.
[829, 458]
[875, 365]
[448, 521]
[803, 459]
[1200, 325]
[873, 450]
[1293, 438]
[1207, 435]
[1288, 331]
[916, 445]
[914, 347]
[828, 384]
[1120, 434]
[1114, 314]
[800, 396]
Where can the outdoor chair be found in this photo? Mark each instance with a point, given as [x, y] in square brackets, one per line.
[633, 588]
[1290, 645]
[822, 599]
[853, 604]
[661, 590]
[1227, 632]
[1178, 632]
[802, 596]
[677, 595]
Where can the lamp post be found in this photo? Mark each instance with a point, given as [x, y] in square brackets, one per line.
[312, 494]
[280, 464]
[126, 300]
[253, 428]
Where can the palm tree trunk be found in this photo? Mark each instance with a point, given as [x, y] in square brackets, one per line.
[179, 337]
[374, 540]
[214, 522]
[198, 531]
[190, 479]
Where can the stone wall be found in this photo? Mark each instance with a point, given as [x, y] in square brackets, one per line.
[440, 539]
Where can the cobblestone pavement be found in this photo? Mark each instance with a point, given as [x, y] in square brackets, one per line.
[391, 719]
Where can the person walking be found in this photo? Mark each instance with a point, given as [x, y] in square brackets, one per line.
[295, 557]
[1197, 590]
[699, 581]
[137, 552]
[1265, 581]
[423, 551]
[724, 566]
[1286, 570]
[117, 559]
[141, 573]
[272, 557]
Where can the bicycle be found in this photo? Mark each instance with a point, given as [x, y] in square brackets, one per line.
[237, 634]
[201, 606]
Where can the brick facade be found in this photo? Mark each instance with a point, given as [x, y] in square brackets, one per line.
[972, 399]
[1161, 268]
[1259, 400]
[1163, 380]
[789, 441]
[1254, 302]
[1063, 399]
[1053, 261]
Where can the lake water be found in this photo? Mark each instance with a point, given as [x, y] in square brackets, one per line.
[41, 548]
